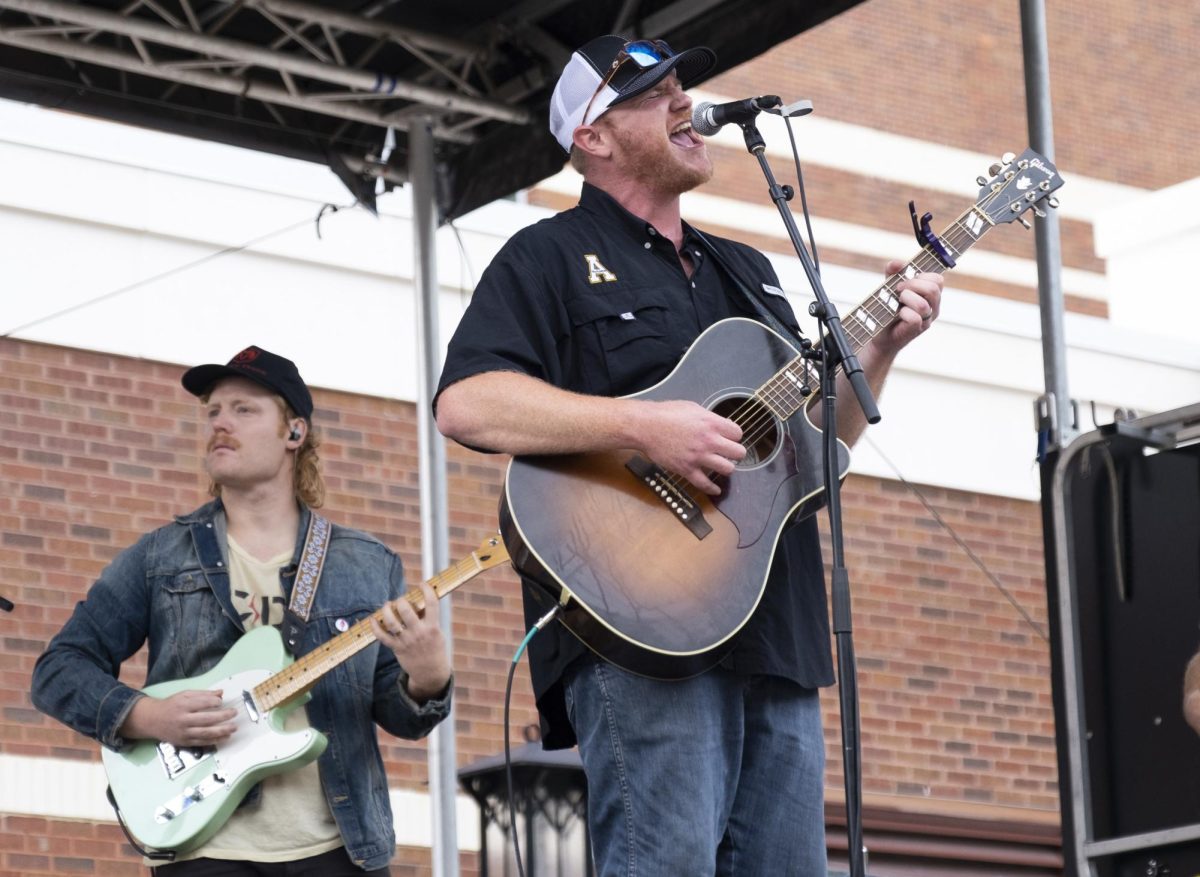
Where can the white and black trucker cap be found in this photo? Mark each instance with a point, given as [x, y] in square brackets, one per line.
[648, 62]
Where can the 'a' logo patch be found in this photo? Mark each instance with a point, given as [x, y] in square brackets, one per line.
[597, 273]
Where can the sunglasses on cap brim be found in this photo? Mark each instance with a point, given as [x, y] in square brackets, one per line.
[643, 53]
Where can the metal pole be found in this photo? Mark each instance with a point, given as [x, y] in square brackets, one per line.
[1055, 407]
[1056, 430]
[435, 527]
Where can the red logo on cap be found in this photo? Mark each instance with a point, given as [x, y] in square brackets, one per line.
[248, 355]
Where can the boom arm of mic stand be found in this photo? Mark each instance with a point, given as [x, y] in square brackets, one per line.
[823, 309]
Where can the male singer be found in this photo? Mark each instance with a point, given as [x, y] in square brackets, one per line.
[722, 773]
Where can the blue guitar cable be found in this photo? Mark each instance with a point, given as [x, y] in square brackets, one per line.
[512, 669]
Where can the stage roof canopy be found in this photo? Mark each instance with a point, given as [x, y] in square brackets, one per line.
[325, 81]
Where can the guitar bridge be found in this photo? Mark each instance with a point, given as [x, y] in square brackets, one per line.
[674, 498]
[190, 796]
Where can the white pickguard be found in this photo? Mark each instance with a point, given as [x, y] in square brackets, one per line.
[253, 743]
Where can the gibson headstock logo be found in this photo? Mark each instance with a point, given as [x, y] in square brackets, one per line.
[1037, 163]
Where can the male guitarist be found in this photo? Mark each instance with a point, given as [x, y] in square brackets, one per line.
[721, 773]
[193, 587]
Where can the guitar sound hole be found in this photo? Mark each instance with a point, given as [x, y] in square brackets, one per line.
[760, 428]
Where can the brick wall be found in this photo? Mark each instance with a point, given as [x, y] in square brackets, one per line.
[1123, 80]
[96, 449]
[1123, 88]
[954, 680]
[37, 846]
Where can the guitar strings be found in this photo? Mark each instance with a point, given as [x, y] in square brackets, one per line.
[278, 688]
[782, 386]
[780, 397]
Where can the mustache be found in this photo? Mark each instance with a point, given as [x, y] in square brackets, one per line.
[224, 441]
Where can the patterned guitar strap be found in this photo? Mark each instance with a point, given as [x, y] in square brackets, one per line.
[308, 576]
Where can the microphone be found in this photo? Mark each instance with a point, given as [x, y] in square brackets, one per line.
[708, 119]
[6, 605]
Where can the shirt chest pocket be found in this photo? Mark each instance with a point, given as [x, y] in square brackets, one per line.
[624, 339]
[188, 605]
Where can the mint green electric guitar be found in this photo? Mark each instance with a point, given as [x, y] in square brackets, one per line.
[173, 798]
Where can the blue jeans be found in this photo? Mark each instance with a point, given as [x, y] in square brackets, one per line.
[716, 775]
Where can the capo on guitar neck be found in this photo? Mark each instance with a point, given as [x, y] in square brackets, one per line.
[926, 237]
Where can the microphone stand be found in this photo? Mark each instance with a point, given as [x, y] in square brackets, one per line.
[834, 350]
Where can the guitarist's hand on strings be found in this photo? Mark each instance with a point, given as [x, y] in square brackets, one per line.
[417, 642]
[186, 718]
[689, 440]
[920, 300]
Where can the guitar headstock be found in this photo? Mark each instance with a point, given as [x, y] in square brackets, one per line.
[1018, 184]
[491, 552]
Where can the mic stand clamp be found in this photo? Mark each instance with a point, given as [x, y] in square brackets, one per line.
[833, 351]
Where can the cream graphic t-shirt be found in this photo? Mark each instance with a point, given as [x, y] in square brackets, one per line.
[292, 819]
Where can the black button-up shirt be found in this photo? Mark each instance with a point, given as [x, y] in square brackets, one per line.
[595, 300]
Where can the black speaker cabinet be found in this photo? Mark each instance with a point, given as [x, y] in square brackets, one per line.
[1128, 526]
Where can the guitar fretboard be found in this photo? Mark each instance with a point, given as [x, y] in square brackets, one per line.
[297, 678]
[784, 394]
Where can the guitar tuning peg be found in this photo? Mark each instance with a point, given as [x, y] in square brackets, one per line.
[995, 168]
[1052, 201]
[981, 180]
[1041, 214]
[1007, 158]
[1024, 222]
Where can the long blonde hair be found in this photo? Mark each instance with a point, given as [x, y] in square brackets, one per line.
[308, 485]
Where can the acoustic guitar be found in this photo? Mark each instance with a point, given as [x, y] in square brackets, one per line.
[657, 577]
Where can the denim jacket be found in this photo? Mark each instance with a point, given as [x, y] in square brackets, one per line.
[171, 589]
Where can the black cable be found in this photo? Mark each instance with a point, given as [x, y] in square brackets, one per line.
[465, 259]
[512, 669]
[1114, 520]
[508, 777]
[179, 269]
[975, 558]
[812, 243]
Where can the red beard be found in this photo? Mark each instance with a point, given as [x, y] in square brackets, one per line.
[654, 162]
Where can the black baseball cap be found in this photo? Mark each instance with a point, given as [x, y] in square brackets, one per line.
[272, 371]
[591, 63]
